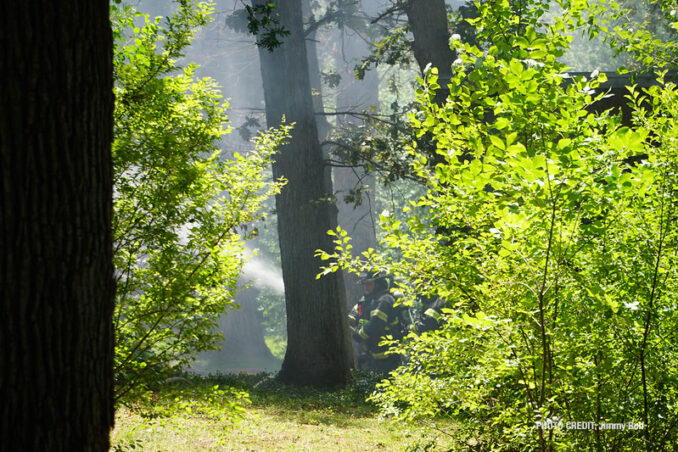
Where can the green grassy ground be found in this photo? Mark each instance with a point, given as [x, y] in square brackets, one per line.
[192, 416]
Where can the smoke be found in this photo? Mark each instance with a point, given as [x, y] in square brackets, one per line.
[262, 273]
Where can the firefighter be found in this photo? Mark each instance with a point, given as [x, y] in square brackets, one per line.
[373, 317]
[432, 308]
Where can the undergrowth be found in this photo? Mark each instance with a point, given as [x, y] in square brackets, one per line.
[224, 412]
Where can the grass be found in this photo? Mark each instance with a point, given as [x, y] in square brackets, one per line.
[191, 415]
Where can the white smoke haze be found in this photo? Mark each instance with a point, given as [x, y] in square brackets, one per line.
[262, 273]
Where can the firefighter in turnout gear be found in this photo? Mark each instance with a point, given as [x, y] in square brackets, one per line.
[431, 308]
[373, 317]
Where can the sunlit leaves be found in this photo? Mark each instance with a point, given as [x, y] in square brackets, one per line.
[178, 202]
[551, 231]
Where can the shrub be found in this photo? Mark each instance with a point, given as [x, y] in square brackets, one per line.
[178, 202]
[554, 249]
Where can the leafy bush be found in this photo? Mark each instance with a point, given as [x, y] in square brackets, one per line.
[556, 251]
[177, 201]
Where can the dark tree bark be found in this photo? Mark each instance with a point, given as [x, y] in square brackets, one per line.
[56, 274]
[428, 19]
[318, 347]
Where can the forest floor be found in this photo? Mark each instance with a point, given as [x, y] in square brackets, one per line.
[214, 414]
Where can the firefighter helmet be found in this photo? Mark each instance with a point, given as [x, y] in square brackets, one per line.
[370, 276]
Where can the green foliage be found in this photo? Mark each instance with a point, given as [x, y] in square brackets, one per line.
[177, 201]
[264, 389]
[195, 397]
[222, 396]
[393, 49]
[556, 251]
[278, 417]
[262, 21]
[378, 145]
[644, 29]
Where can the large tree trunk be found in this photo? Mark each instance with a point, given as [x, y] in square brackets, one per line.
[428, 19]
[318, 348]
[56, 274]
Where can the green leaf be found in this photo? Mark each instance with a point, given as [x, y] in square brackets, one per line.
[497, 142]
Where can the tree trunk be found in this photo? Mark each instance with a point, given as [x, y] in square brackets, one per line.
[428, 19]
[318, 348]
[243, 330]
[243, 346]
[352, 95]
[56, 273]
[324, 127]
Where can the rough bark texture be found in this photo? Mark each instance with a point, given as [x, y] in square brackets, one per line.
[56, 274]
[318, 348]
[428, 19]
